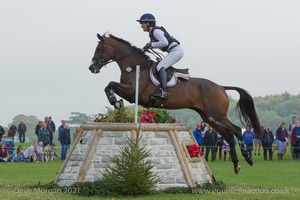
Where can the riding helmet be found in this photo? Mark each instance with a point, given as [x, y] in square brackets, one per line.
[147, 17]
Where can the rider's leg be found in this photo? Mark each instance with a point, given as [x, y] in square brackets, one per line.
[163, 83]
[171, 58]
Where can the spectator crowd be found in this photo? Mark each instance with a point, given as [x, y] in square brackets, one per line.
[44, 132]
[284, 138]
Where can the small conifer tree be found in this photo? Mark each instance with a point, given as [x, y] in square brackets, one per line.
[130, 173]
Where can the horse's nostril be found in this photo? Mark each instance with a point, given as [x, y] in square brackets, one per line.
[91, 67]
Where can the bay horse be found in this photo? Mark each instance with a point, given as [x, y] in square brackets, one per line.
[205, 97]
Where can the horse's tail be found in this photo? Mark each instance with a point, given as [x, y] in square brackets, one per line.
[246, 108]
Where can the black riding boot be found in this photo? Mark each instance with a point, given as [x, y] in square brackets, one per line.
[163, 83]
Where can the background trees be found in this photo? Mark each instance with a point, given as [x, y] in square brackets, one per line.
[271, 110]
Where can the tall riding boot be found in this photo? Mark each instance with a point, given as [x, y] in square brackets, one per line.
[225, 156]
[163, 83]
[271, 156]
[220, 155]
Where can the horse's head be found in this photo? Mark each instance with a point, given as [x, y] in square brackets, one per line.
[101, 55]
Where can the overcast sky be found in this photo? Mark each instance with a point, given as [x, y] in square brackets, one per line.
[46, 48]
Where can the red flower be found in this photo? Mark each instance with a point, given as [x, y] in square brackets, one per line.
[195, 150]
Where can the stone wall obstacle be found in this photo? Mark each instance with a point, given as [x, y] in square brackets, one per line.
[98, 142]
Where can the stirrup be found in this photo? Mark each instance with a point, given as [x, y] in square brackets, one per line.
[162, 94]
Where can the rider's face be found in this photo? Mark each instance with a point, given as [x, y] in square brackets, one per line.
[144, 26]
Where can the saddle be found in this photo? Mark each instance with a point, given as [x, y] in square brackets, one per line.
[172, 75]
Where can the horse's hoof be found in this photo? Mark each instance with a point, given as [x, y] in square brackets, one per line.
[237, 169]
[250, 161]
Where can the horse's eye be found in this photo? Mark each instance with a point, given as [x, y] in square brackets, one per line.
[98, 49]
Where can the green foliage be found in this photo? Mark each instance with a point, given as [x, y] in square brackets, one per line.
[205, 188]
[130, 173]
[123, 115]
[126, 115]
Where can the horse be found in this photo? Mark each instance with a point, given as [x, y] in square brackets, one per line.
[207, 98]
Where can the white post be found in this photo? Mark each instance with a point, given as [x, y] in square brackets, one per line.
[136, 93]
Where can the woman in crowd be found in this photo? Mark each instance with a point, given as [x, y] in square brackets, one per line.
[282, 137]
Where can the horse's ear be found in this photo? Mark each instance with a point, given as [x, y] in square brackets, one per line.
[99, 36]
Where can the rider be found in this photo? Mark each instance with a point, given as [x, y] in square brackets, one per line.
[160, 38]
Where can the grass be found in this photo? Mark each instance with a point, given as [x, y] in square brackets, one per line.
[279, 178]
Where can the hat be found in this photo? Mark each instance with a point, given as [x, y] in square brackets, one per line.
[198, 125]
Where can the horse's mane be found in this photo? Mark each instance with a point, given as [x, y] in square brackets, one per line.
[136, 49]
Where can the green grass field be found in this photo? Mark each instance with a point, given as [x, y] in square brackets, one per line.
[265, 180]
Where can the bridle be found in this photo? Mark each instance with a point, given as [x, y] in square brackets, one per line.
[100, 62]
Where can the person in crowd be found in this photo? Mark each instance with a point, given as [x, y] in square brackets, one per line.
[43, 135]
[53, 128]
[198, 135]
[49, 128]
[3, 153]
[30, 152]
[281, 138]
[267, 140]
[160, 38]
[18, 154]
[226, 149]
[248, 137]
[295, 141]
[60, 129]
[210, 141]
[12, 131]
[2, 132]
[38, 127]
[40, 152]
[219, 147]
[203, 129]
[65, 140]
[292, 125]
[22, 131]
[257, 141]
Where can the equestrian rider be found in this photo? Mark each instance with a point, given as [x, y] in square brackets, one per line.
[160, 38]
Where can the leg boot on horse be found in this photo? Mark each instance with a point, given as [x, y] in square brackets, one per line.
[246, 153]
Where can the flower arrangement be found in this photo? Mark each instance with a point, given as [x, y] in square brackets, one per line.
[195, 150]
[157, 116]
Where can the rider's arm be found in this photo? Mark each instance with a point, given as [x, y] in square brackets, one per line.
[161, 39]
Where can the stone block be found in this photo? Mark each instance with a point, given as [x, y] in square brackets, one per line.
[161, 135]
[157, 141]
[120, 141]
[106, 141]
[167, 180]
[162, 154]
[164, 166]
[171, 160]
[167, 148]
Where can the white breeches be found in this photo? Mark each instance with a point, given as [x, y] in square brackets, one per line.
[171, 58]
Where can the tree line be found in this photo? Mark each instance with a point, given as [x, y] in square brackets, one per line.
[271, 110]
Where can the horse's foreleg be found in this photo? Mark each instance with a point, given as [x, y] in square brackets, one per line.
[123, 90]
[111, 96]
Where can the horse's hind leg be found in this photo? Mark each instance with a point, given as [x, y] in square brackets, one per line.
[242, 144]
[223, 128]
